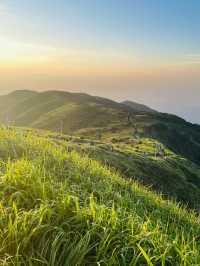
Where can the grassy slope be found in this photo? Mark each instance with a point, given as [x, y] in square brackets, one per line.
[138, 107]
[83, 114]
[94, 117]
[10, 101]
[172, 175]
[62, 208]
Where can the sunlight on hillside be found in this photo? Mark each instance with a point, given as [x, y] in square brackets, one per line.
[89, 214]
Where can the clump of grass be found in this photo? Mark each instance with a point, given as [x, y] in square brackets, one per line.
[61, 208]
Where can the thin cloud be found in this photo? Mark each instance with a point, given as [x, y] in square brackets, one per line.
[192, 59]
[194, 55]
[3, 8]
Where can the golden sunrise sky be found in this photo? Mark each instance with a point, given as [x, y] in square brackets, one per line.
[146, 51]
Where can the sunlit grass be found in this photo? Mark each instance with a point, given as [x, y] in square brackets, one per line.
[60, 208]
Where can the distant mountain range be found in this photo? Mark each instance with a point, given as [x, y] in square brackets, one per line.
[84, 115]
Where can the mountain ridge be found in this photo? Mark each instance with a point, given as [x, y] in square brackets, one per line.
[139, 107]
[96, 117]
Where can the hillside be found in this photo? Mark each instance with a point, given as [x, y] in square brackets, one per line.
[158, 150]
[59, 207]
[138, 107]
[172, 175]
[95, 117]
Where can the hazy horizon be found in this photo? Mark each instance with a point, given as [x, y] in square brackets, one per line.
[144, 51]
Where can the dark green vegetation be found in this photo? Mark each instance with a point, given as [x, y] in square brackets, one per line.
[82, 114]
[139, 107]
[172, 175]
[59, 207]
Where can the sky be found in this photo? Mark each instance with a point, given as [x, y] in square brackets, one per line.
[142, 50]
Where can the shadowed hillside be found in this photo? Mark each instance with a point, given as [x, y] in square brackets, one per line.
[137, 159]
[138, 107]
[95, 117]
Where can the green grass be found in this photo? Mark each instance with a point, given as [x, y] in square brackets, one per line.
[62, 208]
[170, 174]
[91, 116]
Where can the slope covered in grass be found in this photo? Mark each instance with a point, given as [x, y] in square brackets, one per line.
[139, 107]
[167, 173]
[82, 114]
[170, 174]
[62, 208]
